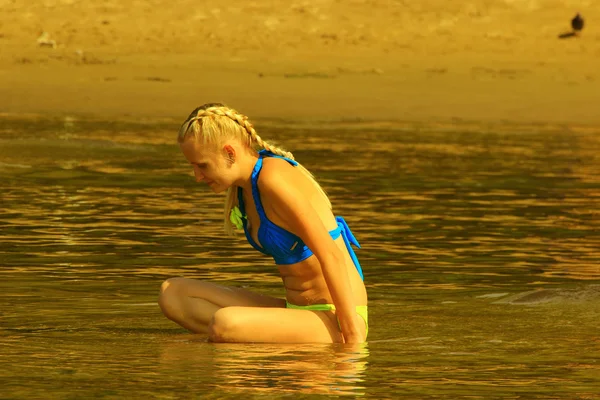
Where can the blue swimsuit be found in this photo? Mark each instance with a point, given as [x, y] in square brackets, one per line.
[285, 247]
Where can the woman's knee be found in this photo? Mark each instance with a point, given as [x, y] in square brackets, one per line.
[224, 325]
[168, 298]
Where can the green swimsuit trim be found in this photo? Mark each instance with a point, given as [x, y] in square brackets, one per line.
[360, 310]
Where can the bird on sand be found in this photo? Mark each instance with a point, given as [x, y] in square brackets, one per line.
[577, 23]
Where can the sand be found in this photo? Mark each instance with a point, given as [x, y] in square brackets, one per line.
[485, 61]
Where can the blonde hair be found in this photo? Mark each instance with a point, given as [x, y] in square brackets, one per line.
[213, 124]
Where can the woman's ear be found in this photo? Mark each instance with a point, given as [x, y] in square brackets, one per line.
[229, 151]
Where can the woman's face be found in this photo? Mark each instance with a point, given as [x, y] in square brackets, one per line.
[210, 165]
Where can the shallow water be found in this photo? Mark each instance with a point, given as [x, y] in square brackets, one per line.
[479, 247]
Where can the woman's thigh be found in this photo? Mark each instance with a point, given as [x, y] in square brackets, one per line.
[274, 325]
[219, 295]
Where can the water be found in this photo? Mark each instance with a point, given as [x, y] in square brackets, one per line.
[480, 251]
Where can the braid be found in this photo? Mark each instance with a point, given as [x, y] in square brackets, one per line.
[207, 123]
[212, 109]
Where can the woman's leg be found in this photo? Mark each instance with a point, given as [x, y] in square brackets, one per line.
[193, 303]
[274, 325]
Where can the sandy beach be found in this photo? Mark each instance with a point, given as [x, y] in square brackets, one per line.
[484, 61]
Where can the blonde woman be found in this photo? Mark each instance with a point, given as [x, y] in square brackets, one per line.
[285, 214]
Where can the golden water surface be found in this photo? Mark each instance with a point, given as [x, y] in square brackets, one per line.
[480, 248]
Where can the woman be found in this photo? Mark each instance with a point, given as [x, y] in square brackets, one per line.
[284, 213]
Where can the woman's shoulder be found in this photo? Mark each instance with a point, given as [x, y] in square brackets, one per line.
[277, 174]
[275, 169]
[287, 189]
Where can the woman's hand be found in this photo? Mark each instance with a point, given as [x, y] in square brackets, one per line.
[351, 327]
[353, 338]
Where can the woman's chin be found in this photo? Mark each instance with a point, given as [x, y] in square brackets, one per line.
[217, 188]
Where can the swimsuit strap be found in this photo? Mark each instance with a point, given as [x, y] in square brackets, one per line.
[255, 194]
[254, 179]
[242, 207]
[267, 153]
[256, 171]
[344, 230]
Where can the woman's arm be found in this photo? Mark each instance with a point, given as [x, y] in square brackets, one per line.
[292, 204]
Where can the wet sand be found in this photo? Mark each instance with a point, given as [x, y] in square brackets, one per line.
[430, 61]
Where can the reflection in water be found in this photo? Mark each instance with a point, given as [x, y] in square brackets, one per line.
[479, 245]
[273, 369]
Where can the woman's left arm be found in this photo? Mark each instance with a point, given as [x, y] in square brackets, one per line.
[292, 205]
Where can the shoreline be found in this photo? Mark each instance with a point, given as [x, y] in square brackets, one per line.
[488, 62]
[131, 88]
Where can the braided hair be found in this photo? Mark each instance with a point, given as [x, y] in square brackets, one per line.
[214, 123]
